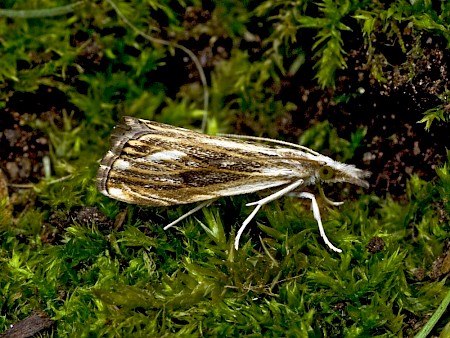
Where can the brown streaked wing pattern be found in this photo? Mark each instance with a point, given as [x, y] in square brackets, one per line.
[156, 164]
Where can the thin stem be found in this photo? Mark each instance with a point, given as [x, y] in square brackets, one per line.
[176, 45]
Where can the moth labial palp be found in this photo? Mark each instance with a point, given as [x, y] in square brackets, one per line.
[155, 164]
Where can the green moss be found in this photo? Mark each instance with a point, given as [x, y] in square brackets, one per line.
[189, 280]
[437, 114]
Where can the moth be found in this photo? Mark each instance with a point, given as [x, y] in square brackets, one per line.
[156, 164]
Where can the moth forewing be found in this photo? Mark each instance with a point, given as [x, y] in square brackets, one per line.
[155, 164]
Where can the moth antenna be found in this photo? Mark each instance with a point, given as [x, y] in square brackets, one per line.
[266, 139]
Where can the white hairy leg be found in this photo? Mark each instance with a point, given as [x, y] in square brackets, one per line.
[190, 212]
[260, 203]
[316, 213]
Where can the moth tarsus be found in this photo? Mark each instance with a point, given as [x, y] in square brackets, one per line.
[156, 164]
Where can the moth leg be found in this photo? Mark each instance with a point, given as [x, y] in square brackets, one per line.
[316, 213]
[326, 199]
[190, 212]
[260, 203]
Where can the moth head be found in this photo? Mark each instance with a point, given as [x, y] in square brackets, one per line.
[332, 171]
